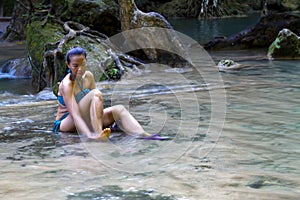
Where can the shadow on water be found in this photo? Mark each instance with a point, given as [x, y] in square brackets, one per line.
[205, 30]
[111, 192]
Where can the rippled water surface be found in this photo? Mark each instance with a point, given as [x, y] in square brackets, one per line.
[252, 154]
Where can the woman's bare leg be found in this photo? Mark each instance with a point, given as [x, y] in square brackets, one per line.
[96, 112]
[91, 107]
[129, 124]
[96, 116]
[67, 125]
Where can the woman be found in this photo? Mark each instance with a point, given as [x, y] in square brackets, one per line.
[80, 104]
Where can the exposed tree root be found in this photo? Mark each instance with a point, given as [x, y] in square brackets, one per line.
[53, 54]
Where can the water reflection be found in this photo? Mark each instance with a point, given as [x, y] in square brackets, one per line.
[205, 30]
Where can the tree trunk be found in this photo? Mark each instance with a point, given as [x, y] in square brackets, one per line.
[132, 18]
[127, 9]
[1, 8]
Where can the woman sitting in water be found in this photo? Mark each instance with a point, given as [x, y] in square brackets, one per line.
[80, 104]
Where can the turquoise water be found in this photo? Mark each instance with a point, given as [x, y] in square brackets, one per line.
[205, 30]
[237, 138]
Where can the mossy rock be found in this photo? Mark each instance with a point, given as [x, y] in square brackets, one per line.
[36, 38]
[44, 38]
[285, 46]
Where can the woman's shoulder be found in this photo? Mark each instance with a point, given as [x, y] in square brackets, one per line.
[66, 80]
[65, 84]
[89, 74]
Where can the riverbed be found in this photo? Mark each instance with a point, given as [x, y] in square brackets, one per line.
[234, 135]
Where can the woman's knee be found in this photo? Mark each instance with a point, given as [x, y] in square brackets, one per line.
[97, 95]
[119, 108]
[115, 111]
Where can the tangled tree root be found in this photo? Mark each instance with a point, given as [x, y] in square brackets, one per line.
[54, 57]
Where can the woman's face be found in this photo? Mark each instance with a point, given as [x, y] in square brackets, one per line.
[77, 65]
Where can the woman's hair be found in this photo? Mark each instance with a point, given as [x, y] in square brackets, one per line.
[76, 51]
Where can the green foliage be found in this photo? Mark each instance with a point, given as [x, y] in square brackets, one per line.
[42, 6]
[112, 72]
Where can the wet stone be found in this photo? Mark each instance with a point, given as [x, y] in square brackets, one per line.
[261, 182]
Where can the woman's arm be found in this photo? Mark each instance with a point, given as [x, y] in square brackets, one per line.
[73, 109]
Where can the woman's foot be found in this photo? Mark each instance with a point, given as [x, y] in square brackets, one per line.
[145, 134]
[105, 134]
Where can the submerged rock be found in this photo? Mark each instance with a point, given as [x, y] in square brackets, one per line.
[227, 64]
[285, 46]
[116, 192]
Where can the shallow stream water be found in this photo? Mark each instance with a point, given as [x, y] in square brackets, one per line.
[234, 135]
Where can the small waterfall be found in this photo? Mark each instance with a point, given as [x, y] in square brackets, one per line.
[208, 7]
[15, 68]
[215, 3]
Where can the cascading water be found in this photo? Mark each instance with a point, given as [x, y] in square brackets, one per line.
[208, 6]
[215, 3]
[15, 68]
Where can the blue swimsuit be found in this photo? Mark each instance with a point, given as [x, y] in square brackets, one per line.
[61, 101]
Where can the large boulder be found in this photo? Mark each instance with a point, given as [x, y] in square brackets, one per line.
[36, 38]
[285, 46]
[80, 25]
[48, 44]
[259, 36]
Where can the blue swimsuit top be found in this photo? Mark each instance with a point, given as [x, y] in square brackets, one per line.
[78, 97]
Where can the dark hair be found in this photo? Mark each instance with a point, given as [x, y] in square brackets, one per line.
[75, 52]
